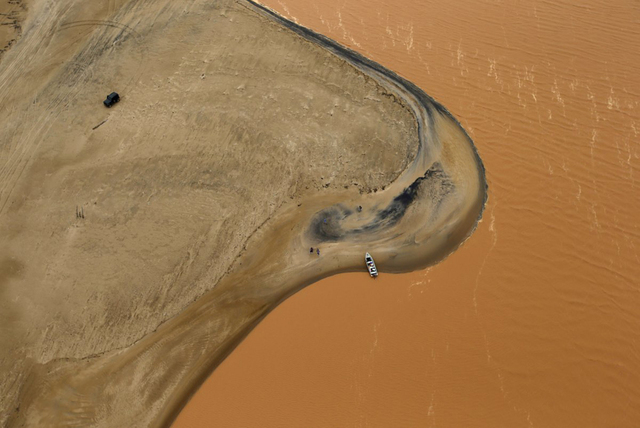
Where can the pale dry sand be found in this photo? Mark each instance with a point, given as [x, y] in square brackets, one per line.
[237, 145]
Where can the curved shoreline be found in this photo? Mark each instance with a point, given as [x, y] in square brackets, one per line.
[446, 217]
[367, 66]
[424, 106]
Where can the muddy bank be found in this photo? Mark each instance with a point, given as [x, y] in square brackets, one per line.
[125, 311]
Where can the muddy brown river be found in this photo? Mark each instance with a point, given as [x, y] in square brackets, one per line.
[534, 321]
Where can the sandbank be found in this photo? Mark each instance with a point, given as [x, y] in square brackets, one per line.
[241, 140]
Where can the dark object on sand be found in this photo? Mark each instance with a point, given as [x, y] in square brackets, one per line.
[311, 250]
[359, 208]
[318, 251]
[112, 98]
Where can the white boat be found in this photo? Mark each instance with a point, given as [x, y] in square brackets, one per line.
[371, 265]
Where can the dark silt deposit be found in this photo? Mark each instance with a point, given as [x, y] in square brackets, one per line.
[327, 225]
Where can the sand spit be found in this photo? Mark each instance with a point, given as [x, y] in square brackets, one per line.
[241, 140]
[532, 322]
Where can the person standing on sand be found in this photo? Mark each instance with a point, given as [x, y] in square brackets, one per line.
[318, 251]
[311, 250]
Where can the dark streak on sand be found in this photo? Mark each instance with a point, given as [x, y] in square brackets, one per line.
[326, 225]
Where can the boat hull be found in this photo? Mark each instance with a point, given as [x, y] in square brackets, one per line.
[371, 265]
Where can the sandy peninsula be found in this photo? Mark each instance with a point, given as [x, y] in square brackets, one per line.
[241, 141]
